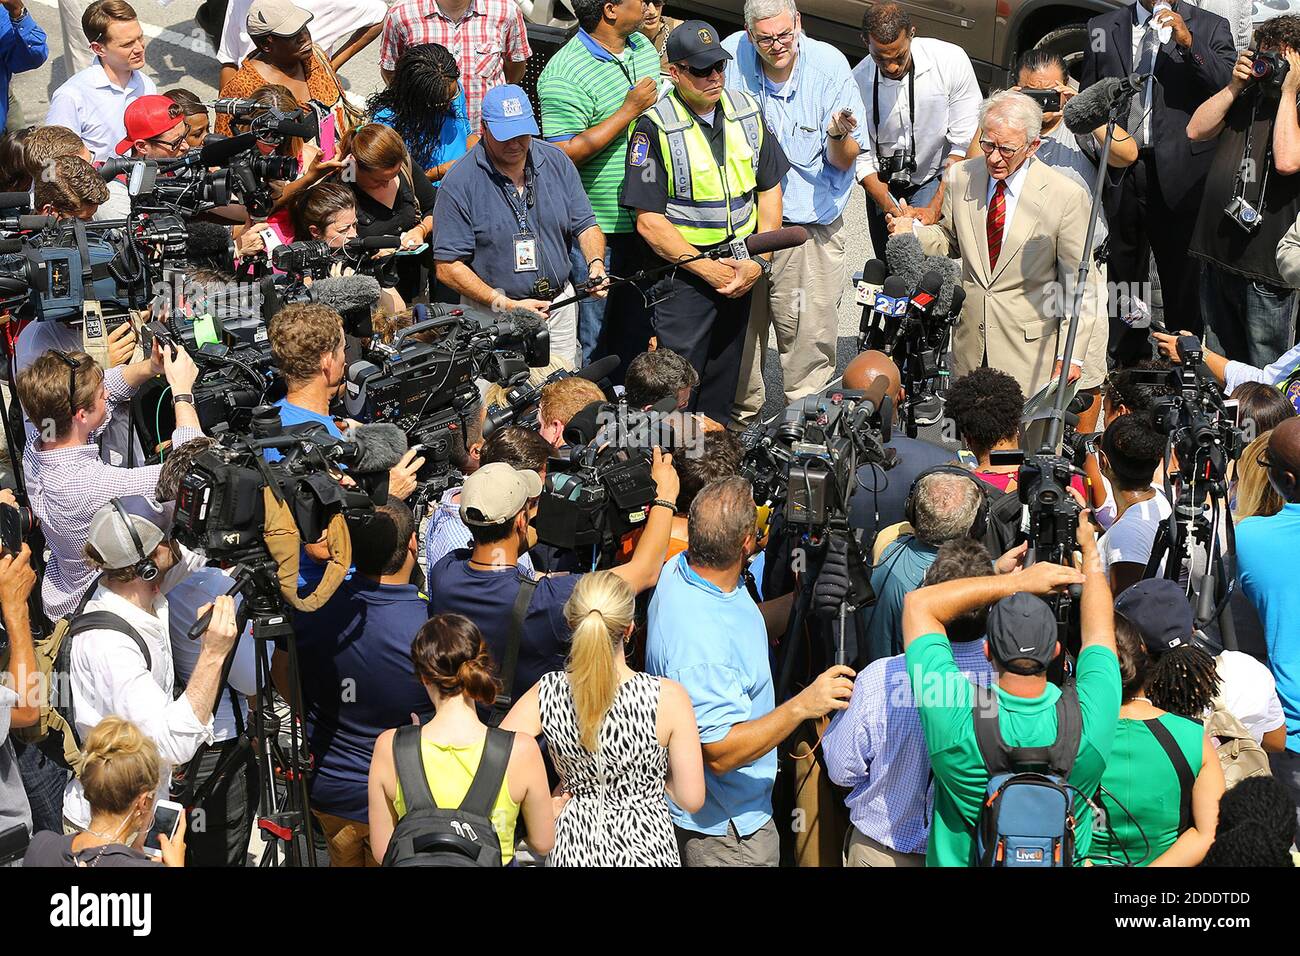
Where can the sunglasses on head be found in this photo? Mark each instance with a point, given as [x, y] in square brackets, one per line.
[72, 365]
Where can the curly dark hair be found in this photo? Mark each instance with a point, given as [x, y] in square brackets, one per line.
[1277, 33]
[885, 22]
[421, 96]
[1183, 681]
[1123, 388]
[1263, 800]
[986, 405]
[1247, 844]
[1134, 450]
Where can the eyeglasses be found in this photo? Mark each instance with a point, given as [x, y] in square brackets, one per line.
[1006, 151]
[785, 38]
[72, 365]
[172, 144]
[706, 72]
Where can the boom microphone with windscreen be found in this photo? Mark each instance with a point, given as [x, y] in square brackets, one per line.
[1086, 111]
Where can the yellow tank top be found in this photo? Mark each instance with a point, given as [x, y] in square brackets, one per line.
[450, 770]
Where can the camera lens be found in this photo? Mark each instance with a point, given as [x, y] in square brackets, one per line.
[1248, 214]
[1260, 68]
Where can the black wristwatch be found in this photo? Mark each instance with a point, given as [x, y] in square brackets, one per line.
[182, 397]
[764, 264]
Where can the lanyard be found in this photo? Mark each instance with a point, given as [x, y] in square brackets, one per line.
[1239, 181]
[911, 110]
[519, 206]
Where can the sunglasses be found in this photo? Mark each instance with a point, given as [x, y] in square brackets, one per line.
[701, 73]
[72, 365]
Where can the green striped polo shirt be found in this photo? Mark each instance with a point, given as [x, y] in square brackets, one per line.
[581, 86]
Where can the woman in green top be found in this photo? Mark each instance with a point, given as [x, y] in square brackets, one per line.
[1140, 791]
[452, 663]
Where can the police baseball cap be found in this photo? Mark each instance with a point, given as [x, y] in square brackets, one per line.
[1022, 627]
[148, 117]
[112, 539]
[1159, 611]
[508, 113]
[696, 44]
[496, 493]
[278, 17]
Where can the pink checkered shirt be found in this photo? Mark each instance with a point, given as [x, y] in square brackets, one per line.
[490, 32]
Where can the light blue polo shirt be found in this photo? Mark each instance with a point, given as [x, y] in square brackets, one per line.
[714, 643]
[814, 191]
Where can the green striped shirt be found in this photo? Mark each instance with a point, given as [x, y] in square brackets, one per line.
[583, 85]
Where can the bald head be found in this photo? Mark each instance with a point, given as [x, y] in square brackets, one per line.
[869, 366]
[1284, 455]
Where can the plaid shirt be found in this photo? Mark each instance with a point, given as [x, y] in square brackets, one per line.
[490, 32]
[67, 486]
[877, 748]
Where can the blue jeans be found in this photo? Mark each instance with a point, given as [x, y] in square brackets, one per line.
[44, 779]
[591, 311]
[1246, 320]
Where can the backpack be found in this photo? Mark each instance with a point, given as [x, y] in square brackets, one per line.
[1027, 818]
[58, 718]
[1240, 754]
[429, 835]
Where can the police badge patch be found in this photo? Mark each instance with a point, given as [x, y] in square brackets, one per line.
[640, 149]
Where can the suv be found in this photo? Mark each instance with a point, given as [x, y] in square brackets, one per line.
[992, 32]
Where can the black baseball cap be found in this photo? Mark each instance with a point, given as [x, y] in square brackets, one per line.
[1020, 627]
[696, 44]
[1159, 610]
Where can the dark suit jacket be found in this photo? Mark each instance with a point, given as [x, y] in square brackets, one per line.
[1184, 80]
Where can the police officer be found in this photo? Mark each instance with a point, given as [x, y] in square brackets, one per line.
[703, 169]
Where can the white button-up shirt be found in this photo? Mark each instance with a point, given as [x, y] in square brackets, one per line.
[107, 675]
[1015, 184]
[947, 108]
[93, 106]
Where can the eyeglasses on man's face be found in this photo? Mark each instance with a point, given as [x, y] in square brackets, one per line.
[1006, 152]
[768, 41]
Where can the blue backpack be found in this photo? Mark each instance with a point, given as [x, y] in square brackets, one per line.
[1027, 818]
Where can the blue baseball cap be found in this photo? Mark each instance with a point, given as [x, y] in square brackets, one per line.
[508, 113]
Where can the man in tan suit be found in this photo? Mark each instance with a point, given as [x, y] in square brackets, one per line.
[1018, 226]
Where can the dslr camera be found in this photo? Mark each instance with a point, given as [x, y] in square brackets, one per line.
[895, 169]
[1243, 214]
[1048, 100]
[1269, 68]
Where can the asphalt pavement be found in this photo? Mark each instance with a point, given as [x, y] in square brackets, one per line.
[179, 54]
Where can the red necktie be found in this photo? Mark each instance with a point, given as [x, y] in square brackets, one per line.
[997, 216]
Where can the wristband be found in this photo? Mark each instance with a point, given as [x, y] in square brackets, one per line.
[182, 397]
[833, 136]
[663, 503]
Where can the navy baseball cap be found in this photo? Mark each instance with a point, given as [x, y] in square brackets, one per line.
[1020, 627]
[1159, 610]
[696, 44]
[508, 113]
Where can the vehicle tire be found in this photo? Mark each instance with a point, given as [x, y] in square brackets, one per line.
[1069, 40]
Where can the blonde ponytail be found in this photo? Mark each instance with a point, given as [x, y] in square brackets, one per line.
[598, 613]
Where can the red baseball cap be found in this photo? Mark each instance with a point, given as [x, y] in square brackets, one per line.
[147, 117]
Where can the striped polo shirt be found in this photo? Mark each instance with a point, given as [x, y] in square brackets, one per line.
[582, 86]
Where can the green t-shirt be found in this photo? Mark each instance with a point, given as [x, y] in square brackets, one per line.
[1140, 776]
[582, 86]
[946, 699]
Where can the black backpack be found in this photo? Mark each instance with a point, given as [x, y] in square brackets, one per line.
[429, 835]
[1027, 817]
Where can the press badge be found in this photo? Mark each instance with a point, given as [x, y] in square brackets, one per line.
[525, 253]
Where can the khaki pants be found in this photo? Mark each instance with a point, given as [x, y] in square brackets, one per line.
[864, 851]
[801, 301]
[760, 848]
[349, 840]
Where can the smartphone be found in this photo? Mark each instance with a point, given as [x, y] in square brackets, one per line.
[1012, 456]
[328, 137]
[1233, 407]
[422, 247]
[166, 819]
[1049, 100]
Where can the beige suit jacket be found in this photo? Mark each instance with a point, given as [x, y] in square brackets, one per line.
[1016, 312]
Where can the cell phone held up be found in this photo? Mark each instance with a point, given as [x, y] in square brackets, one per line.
[166, 820]
[1048, 100]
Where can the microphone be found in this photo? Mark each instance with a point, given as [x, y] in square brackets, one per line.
[950, 272]
[890, 308]
[113, 168]
[1089, 109]
[905, 257]
[15, 200]
[601, 368]
[36, 223]
[874, 396]
[379, 447]
[10, 246]
[761, 243]
[209, 243]
[958, 300]
[307, 128]
[371, 243]
[346, 294]
[232, 106]
[874, 274]
[919, 308]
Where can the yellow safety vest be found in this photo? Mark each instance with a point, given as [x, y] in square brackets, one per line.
[710, 204]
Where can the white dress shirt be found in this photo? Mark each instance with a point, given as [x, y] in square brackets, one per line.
[947, 108]
[1015, 185]
[107, 676]
[1139, 31]
[94, 107]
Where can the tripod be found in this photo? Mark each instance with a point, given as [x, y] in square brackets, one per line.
[283, 817]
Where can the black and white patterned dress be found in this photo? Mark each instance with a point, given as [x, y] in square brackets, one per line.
[619, 813]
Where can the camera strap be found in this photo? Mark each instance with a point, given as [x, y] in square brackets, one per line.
[911, 111]
[1239, 180]
[523, 600]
